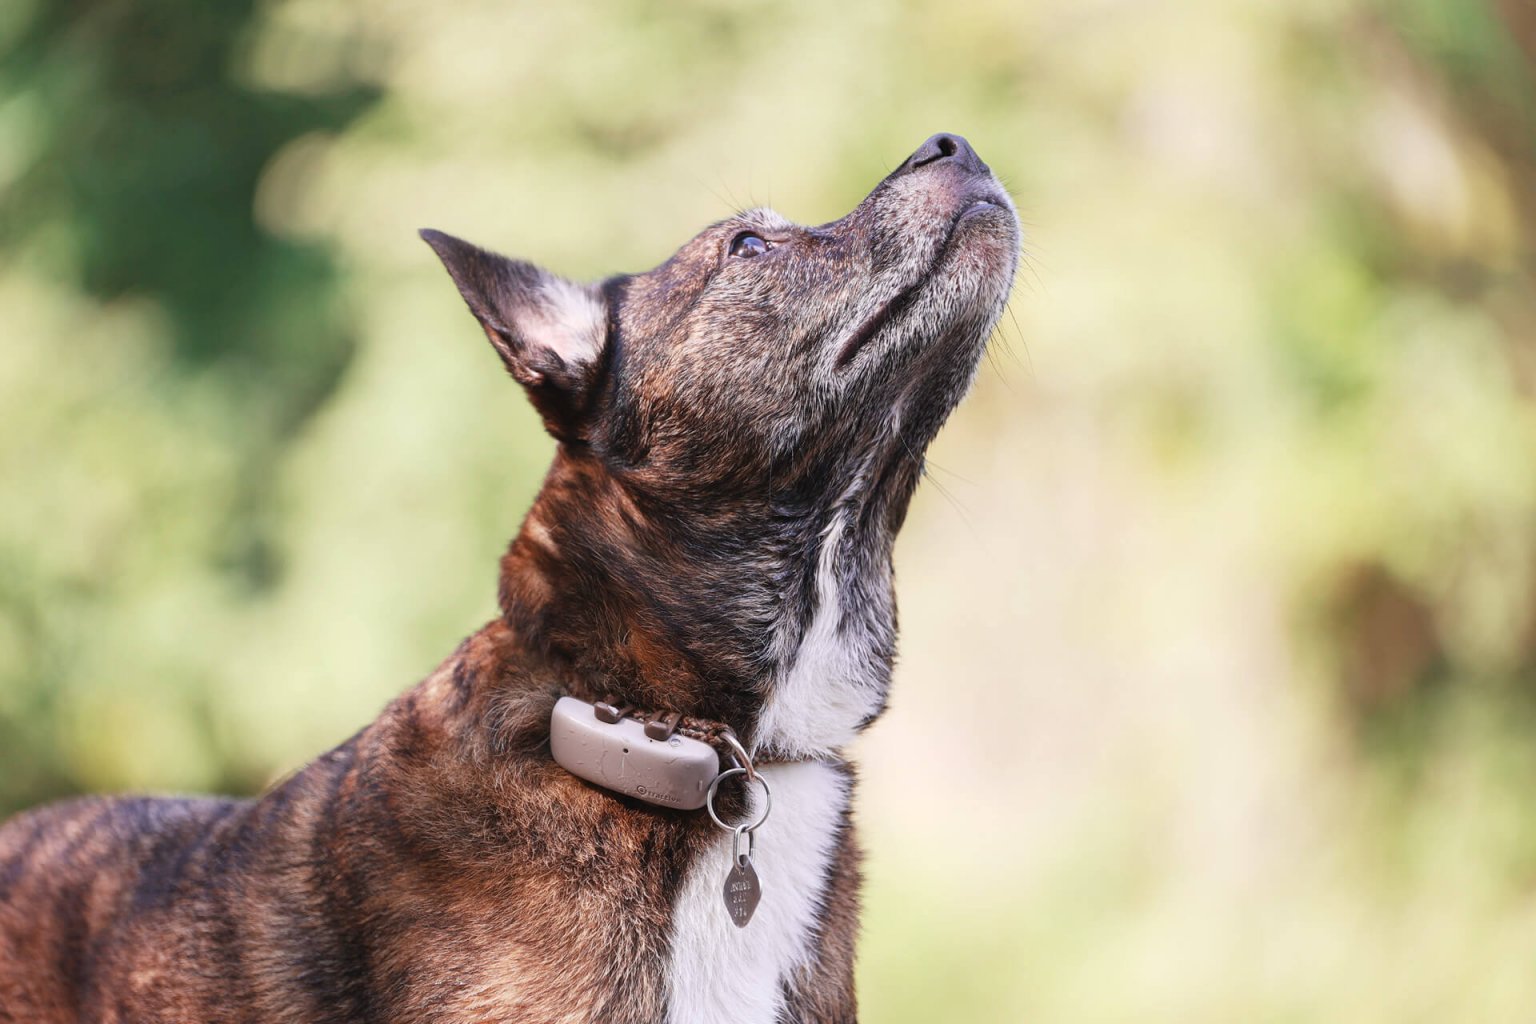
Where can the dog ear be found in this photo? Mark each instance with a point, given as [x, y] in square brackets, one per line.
[549, 331]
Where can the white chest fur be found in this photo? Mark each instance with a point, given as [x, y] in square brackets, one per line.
[719, 972]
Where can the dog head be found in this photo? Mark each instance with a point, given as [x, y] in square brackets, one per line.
[762, 350]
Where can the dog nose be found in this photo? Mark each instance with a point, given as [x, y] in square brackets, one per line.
[942, 147]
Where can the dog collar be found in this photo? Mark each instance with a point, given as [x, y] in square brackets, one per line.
[661, 757]
[669, 760]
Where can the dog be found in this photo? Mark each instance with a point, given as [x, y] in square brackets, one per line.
[739, 432]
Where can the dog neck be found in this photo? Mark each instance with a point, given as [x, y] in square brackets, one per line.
[736, 612]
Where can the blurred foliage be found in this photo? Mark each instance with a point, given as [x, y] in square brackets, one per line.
[1243, 508]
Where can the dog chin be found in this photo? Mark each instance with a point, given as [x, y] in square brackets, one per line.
[963, 298]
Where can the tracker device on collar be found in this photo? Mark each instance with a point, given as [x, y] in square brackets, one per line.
[650, 761]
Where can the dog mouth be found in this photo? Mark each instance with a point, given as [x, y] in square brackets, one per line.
[982, 204]
[882, 316]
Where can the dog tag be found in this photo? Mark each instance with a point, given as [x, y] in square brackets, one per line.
[742, 890]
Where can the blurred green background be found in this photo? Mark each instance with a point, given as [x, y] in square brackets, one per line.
[1218, 690]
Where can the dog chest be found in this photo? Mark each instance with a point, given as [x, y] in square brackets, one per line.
[717, 971]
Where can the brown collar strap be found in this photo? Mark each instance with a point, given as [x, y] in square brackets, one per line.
[661, 725]
[662, 757]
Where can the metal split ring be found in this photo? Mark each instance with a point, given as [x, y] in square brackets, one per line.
[739, 833]
[746, 829]
[739, 754]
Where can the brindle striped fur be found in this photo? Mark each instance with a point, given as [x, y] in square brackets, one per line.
[719, 419]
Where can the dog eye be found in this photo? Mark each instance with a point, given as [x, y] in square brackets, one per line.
[746, 245]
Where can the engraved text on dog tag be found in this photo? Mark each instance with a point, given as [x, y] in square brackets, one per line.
[742, 891]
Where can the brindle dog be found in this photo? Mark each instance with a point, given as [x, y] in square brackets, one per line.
[739, 433]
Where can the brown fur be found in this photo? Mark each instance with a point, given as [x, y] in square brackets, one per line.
[715, 416]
